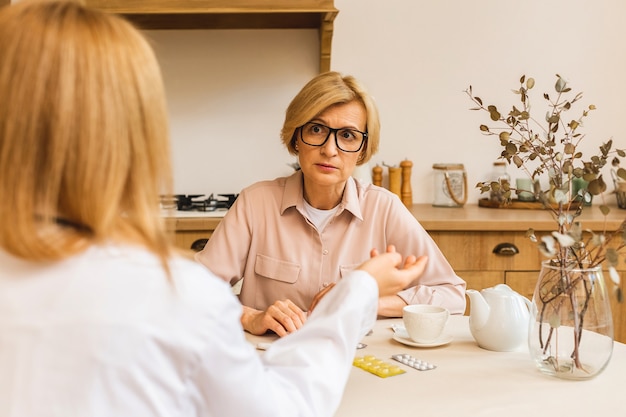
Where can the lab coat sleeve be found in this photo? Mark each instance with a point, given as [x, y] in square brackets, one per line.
[302, 374]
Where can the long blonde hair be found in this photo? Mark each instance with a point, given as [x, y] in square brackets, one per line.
[321, 92]
[84, 137]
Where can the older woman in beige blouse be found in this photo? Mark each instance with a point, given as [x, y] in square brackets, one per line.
[292, 237]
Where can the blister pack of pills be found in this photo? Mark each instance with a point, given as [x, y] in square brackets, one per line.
[377, 366]
[413, 362]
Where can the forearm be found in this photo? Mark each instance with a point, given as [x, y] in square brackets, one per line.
[450, 296]
[390, 306]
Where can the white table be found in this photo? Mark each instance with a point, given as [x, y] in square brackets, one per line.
[472, 382]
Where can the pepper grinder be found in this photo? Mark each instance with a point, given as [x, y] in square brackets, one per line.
[395, 179]
[377, 176]
[407, 193]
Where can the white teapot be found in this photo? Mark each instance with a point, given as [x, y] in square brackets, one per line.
[499, 318]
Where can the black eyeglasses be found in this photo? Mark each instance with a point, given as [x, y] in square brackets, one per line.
[347, 140]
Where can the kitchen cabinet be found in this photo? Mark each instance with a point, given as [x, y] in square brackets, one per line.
[231, 14]
[468, 237]
[489, 246]
[191, 233]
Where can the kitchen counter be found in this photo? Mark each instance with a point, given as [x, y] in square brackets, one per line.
[471, 217]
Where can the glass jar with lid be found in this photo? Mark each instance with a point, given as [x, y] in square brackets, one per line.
[450, 185]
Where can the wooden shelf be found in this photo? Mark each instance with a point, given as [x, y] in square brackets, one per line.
[230, 14]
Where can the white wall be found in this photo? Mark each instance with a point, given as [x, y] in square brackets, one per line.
[228, 89]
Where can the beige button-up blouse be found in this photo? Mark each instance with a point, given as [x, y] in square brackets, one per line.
[266, 239]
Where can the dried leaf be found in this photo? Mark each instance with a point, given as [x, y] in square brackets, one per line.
[561, 196]
[547, 246]
[565, 241]
[554, 320]
[615, 277]
[494, 113]
[560, 85]
[552, 118]
[597, 186]
[612, 257]
[605, 209]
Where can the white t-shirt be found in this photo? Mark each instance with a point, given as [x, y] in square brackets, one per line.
[106, 334]
[318, 217]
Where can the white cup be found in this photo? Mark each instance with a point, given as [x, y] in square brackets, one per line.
[424, 323]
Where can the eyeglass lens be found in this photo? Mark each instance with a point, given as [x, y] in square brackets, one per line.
[348, 140]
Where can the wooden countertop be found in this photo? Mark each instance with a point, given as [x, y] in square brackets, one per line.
[471, 217]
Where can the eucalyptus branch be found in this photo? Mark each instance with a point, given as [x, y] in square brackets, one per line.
[552, 148]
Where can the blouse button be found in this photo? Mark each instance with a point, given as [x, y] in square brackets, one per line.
[325, 252]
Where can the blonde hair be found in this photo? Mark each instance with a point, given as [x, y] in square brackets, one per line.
[322, 92]
[84, 145]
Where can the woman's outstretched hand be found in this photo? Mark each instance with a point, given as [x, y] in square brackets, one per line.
[390, 272]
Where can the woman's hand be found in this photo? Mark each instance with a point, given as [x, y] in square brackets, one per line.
[282, 317]
[391, 279]
[384, 268]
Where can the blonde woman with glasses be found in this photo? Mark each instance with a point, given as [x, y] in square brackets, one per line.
[292, 238]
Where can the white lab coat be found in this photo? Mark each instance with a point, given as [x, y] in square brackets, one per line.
[106, 334]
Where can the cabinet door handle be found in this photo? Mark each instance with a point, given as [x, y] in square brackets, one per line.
[505, 249]
[198, 245]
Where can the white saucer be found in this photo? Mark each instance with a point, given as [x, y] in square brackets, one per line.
[442, 340]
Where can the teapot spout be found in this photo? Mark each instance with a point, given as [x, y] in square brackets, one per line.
[479, 310]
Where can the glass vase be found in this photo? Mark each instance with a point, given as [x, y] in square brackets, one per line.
[571, 329]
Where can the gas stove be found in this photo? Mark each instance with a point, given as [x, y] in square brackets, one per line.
[198, 202]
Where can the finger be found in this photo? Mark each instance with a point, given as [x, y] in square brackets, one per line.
[373, 253]
[269, 323]
[319, 296]
[278, 328]
[285, 316]
[298, 316]
[391, 249]
[410, 260]
[416, 269]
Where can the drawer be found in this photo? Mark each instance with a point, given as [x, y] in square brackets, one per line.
[488, 251]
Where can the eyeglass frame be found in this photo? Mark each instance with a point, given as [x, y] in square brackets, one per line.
[334, 132]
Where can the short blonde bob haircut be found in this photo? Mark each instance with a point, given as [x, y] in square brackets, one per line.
[322, 92]
[84, 138]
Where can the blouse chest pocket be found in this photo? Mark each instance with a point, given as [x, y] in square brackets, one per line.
[276, 269]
